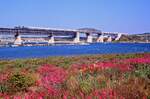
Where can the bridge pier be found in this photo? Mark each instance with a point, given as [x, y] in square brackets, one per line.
[118, 37]
[89, 38]
[77, 38]
[18, 40]
[51, 39]
[109, 39]
[100, 38]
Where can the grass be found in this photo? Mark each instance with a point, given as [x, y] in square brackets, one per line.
[64, 62]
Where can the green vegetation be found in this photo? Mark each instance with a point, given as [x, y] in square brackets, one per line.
[64, 62]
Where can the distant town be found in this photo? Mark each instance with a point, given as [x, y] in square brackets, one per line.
[36, 36]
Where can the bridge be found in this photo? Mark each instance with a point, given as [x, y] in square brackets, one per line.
[24, 35]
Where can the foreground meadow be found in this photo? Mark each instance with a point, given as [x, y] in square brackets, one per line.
[123, 76]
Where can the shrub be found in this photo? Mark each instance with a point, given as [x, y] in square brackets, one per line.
[3, 88]
[72, 84]
[86, 86]
[133, 88]
[142, 70]
[19, 82]
[19, 64]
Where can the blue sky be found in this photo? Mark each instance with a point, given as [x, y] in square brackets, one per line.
[131, 16]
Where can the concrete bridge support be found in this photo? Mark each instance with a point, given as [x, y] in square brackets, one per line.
[51, 39]
[18, 40]
[118, 37]
[77, 38]
[109, 39]
[100, 38]
[89, 38]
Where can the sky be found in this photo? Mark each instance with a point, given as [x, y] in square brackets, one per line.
[126, 16]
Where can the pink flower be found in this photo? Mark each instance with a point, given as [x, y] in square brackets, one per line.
[65, 97]
[17, 97]
[27, 96]
[82, 95]
[73, 98]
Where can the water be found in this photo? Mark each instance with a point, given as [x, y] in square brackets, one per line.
[70, 50]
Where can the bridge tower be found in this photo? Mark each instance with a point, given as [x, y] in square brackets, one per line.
[89, 37]
[77, 38]
[18, 40]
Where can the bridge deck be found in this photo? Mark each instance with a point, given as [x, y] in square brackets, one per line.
[42, 31]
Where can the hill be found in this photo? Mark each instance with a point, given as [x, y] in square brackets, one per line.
[145, 37]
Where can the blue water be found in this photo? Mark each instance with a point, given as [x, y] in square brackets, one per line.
[70, 50]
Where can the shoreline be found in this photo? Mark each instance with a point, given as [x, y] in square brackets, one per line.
[55, 44]
[70, 56]
[77, 56]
